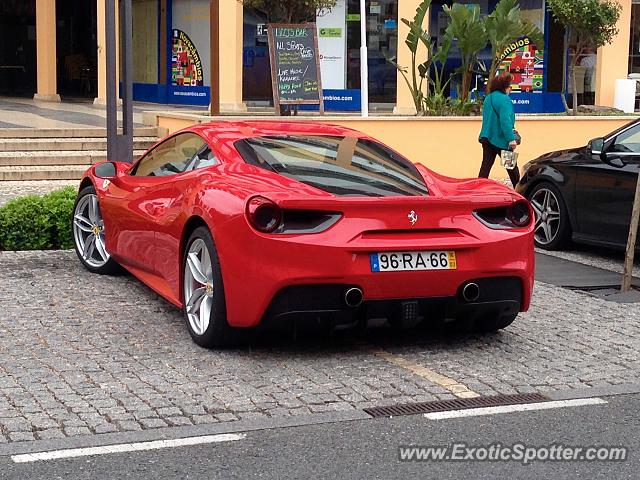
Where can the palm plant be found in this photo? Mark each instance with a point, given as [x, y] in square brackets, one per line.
[428, 98]
[468, 29]
[505, 25]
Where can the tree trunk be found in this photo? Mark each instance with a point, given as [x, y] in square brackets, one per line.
[574, 84]
[466, 85]
[572, 78]
[631, 242]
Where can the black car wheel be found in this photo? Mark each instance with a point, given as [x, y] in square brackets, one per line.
[552, 230]
[203, 292]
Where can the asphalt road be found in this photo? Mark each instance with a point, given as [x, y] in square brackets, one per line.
[369, 449]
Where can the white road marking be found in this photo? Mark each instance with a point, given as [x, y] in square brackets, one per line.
[525, 407]
[126, 447]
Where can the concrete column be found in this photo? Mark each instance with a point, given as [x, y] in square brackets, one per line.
[102, 52]
[46, 51]
[404, 100]
[613, 59]
[231, 26]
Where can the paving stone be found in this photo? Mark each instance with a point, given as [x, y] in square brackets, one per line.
[21, 436]
[50, 433]
[76, 431]
[202, 419]
[226, 417]
[178, 421]
[169, 411]
[152, 423]
[128, 426]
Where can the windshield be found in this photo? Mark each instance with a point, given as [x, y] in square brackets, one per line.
[339, 165]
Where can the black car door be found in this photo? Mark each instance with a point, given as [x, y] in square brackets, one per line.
[604, 193]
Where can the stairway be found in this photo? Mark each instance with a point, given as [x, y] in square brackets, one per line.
[59, 154]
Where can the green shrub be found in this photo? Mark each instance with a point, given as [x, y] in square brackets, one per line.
[37, 222]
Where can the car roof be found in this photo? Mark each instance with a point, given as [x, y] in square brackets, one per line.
[230, 131]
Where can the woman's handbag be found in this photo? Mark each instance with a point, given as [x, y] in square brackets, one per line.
[509, 159]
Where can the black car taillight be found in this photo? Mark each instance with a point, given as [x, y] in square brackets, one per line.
[516, 215]
[263, 214]
[520, 213]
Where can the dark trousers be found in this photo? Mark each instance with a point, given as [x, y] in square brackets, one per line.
[489, 153]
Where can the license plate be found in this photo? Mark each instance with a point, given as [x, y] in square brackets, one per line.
[406, 261]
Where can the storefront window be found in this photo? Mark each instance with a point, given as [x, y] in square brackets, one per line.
[145, 41]
[634, 43]
[190, 47]
[256, 73]
[382, 39]
[382, 43]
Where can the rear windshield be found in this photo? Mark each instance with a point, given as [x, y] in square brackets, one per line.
[339, 165]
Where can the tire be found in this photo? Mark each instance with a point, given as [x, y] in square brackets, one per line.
[202, 286]
[553, 227]
[88, 234]
[491, 323]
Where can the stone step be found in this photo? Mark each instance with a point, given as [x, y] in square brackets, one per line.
[52, 172]
[66, 144]
[61, 157]
[71, 132]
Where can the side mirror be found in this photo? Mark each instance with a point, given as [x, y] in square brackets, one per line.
[596, 146]
[106, 170]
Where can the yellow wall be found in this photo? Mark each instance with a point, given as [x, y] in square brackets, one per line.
[613, 59]
[450, 145]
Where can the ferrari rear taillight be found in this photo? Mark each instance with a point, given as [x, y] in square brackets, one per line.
[263, 214]
[268, 217]
[516, 215]
[519, 214]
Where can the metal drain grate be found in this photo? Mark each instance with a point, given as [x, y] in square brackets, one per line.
[456, 404]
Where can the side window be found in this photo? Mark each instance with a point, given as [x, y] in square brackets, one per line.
[628, 141]
[204, 158]
[172, 156]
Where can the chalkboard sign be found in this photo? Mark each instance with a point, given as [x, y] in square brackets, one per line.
[295, 66]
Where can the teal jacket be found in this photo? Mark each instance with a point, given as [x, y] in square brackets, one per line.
[498, 120]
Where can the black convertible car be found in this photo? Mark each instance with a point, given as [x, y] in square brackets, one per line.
[585, 194]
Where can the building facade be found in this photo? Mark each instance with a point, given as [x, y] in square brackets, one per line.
[54, 48]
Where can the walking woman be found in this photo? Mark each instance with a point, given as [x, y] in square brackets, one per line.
[498, 121]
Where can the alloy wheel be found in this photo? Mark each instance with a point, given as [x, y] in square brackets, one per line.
[88, 231]
[547, 211]
[198, 286]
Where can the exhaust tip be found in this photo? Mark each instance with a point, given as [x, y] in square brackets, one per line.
[353, 297]
[471, 292]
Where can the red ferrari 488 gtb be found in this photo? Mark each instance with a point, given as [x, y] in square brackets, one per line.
[240, 223]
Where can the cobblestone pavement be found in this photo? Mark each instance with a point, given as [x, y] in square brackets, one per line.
[11, 189]
[85, 354]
